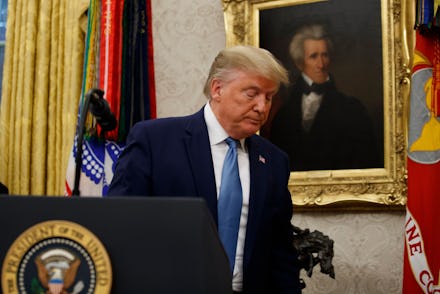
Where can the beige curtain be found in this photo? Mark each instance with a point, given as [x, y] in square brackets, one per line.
[41, 89]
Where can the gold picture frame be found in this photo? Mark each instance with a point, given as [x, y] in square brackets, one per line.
[352, 188]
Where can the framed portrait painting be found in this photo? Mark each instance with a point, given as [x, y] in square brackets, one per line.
[354, 156]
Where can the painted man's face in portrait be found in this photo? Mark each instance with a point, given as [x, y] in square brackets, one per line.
[316, 60]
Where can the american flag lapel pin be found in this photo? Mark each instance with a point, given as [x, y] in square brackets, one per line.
[261, 159]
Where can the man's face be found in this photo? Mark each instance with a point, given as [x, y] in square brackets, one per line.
[242, 104]
[316, 60]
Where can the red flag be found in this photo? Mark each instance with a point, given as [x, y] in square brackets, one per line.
[151, 80]
[422, 238]
[111, 57]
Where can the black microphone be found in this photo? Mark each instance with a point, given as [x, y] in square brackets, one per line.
[101, 110]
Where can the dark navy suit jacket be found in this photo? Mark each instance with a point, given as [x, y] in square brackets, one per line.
[172, 157]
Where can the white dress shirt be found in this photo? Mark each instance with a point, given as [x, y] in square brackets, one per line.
[217, 136]
[310, 105]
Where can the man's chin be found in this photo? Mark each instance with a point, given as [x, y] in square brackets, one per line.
[255, 129]
[321, 79]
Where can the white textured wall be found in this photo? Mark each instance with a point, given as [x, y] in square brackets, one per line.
[187, 36]
[368, 251]
[368, 245]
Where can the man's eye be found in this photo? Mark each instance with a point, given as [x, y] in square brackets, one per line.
[251, 93]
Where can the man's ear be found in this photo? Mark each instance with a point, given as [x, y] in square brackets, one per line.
[216, 89]
[300, 66]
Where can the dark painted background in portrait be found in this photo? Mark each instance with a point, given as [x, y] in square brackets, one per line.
[356, 62]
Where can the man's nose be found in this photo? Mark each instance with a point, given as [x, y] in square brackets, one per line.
[261, 103]
[321, 62]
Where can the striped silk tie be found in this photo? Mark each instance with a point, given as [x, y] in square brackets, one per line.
[229, 202]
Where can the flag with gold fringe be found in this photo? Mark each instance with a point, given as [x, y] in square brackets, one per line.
[422, 241]
[119, 61]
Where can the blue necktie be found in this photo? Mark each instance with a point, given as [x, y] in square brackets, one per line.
[229, 202]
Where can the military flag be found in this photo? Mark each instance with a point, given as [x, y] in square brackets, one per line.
[422, 239]
[119, 61]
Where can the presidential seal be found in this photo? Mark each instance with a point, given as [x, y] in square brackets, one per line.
[56, 257]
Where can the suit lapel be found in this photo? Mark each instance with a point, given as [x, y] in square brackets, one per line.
[199, 154]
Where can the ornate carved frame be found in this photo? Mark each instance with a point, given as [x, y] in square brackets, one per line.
[360, 188]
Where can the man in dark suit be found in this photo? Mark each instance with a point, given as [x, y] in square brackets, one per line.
[184, 156]
[319, 127]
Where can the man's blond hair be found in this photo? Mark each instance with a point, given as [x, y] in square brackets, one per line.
[248, 59]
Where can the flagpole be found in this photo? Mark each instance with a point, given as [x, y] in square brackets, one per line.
[79, 146]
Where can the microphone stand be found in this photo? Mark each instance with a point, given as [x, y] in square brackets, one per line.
[104, 117]
[79, 148]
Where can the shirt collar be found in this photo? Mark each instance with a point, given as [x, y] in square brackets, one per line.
[216, 132]
[307, 79]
